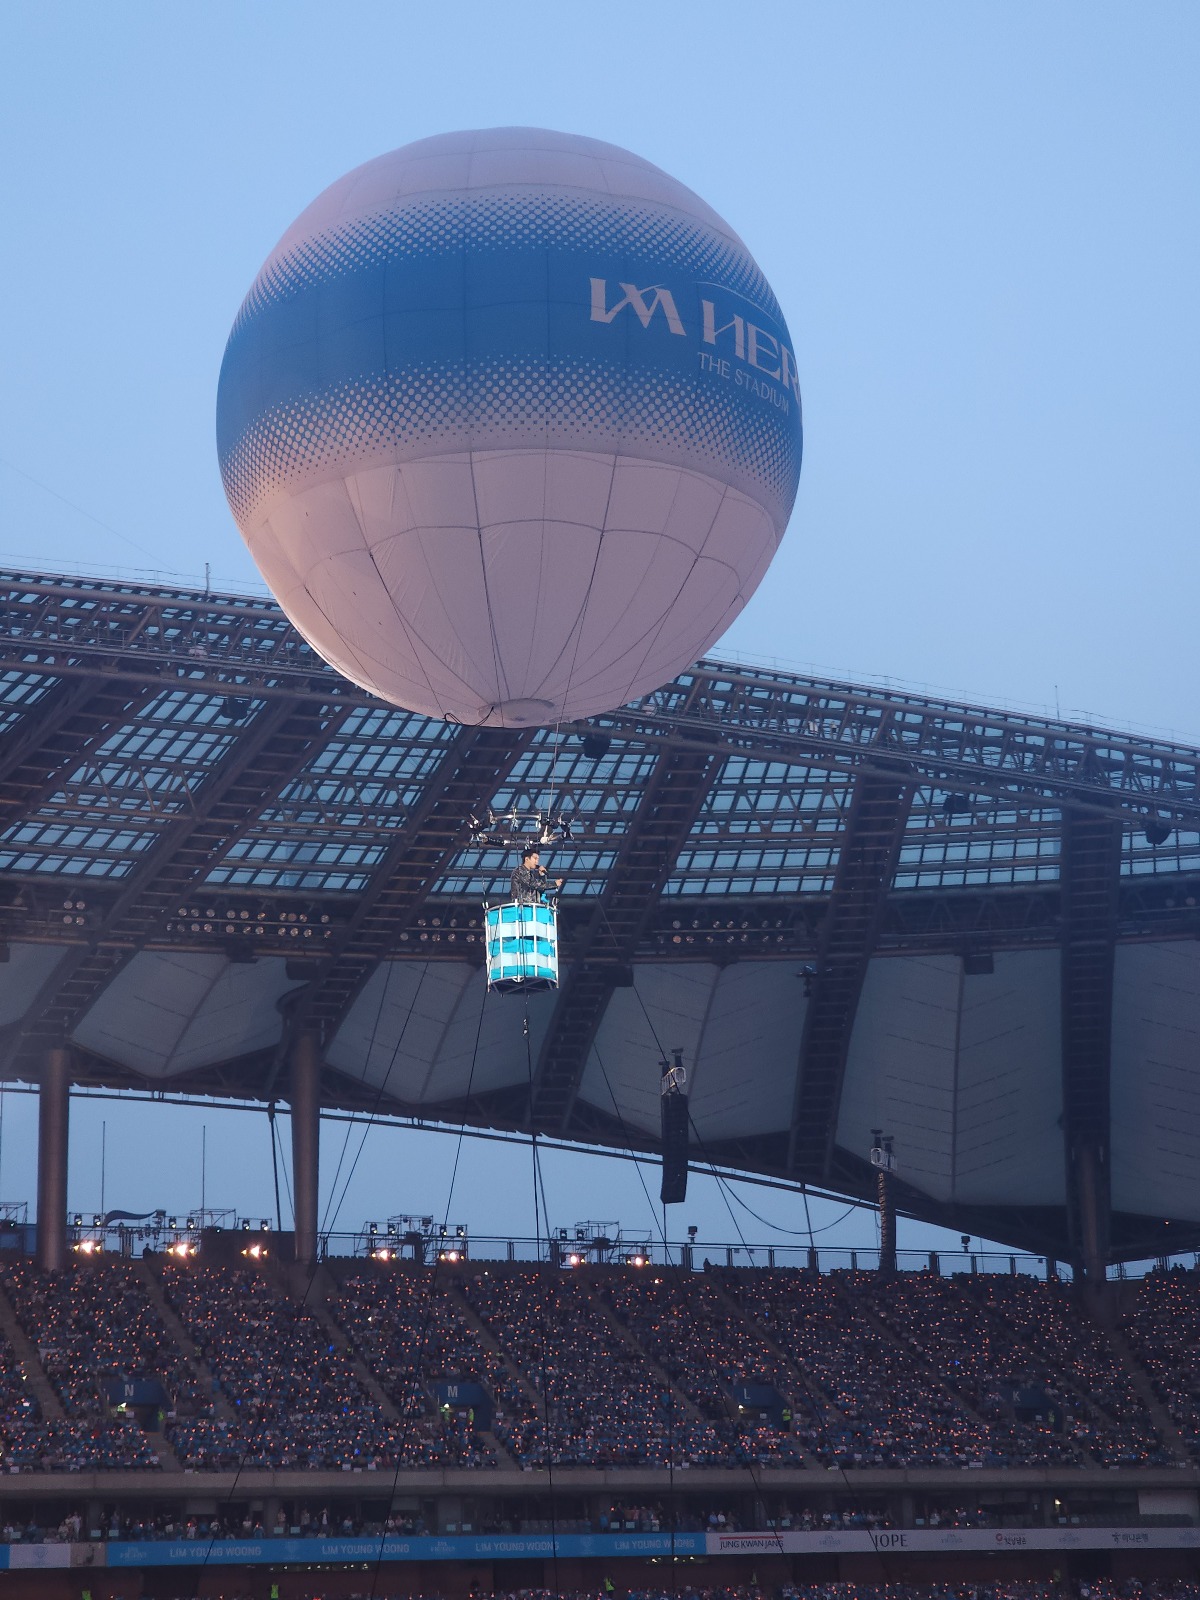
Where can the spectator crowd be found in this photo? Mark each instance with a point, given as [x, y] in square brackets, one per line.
[500, 1365]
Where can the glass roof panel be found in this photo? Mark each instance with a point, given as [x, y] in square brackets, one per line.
[112, 807]
[333, 824]
[18, 692]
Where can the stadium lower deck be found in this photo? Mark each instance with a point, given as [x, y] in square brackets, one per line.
[475, 1423]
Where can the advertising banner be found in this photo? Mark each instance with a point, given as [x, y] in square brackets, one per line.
[864, 1541]
[461, 1547]
[604, 1546]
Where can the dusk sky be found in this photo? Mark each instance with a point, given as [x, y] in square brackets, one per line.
[981, 223]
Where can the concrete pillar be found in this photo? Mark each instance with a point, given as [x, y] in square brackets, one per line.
[306, 1139]
[54, 1102]
[1092, 1191]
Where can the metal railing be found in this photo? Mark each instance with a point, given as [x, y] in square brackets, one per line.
[566, 1250]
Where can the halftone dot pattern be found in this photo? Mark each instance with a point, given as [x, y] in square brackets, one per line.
[525, 405]
[497, 221]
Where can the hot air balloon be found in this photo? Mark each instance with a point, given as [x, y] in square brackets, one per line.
[510, 422]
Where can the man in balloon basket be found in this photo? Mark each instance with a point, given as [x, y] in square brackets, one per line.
[530, 883]
[522, 937]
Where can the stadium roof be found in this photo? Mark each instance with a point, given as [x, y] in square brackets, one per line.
[852, 907]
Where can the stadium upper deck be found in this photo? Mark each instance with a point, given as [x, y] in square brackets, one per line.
[852, 907]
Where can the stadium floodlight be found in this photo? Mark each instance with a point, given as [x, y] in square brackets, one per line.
[883, 1156]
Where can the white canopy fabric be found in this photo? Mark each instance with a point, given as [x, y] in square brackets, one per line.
[963, 1071]
[166, 1013]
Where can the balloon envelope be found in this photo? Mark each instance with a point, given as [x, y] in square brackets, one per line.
[510, 423]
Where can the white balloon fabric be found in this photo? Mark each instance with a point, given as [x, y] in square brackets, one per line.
[511, 424]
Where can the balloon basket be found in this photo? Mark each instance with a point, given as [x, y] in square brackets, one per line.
[522, 948]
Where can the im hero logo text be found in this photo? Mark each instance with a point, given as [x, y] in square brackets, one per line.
[738, 349]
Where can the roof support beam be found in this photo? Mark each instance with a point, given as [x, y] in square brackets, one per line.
[869, 849]
[476, 763]
[670, 806]
[1091, 867]
[57, 733]
[276, 745]
[223, 644]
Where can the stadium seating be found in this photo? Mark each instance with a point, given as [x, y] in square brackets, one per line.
[1073, 1359]
[1163, 1328]
[409, 1331]
[599, 1399]
[602, 1367]
[686, 1325]
[297, 1399]
[91, 1326]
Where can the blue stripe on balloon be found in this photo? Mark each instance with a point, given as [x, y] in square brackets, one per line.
[358, 345]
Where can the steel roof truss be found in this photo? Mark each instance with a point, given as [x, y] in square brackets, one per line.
[869, 847]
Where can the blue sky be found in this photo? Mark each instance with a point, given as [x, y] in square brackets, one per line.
[980, 220]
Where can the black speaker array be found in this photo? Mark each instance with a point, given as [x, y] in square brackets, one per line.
[674, 1149]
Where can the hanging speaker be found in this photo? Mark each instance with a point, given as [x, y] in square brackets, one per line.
[674, 1149]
